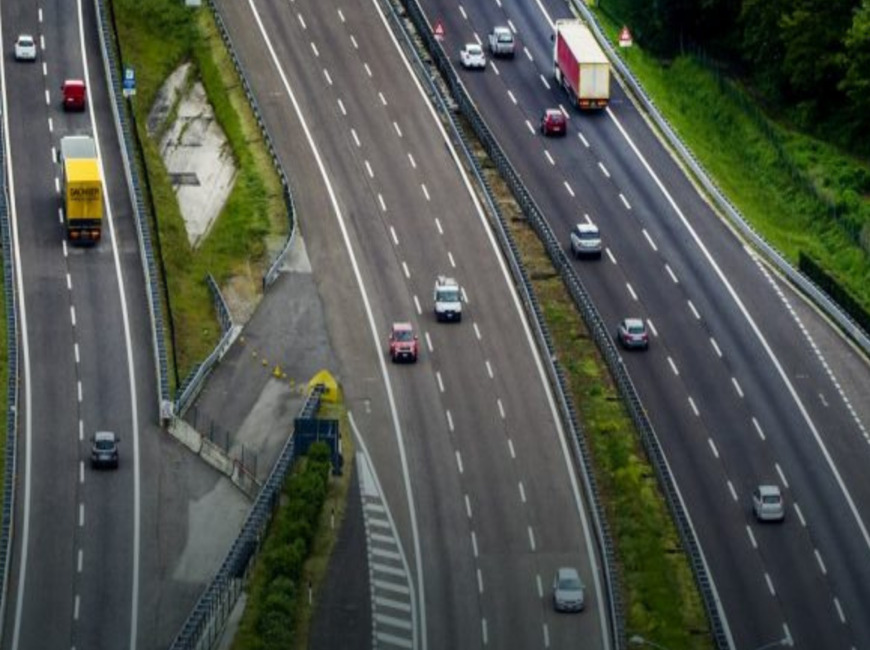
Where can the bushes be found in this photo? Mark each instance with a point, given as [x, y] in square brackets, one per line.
[273, 603]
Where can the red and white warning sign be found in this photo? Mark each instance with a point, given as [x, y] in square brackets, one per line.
[624, 37]
[439, 30]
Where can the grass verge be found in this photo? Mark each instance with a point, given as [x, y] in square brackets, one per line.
[798, 192]
[156, 38]
[263, 623]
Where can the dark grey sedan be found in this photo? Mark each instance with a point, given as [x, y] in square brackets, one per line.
[104, 450]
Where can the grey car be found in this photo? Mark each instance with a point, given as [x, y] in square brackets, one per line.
[569, 592]
[767, 503]
[586, 240]
[631, 334]
[104, 450]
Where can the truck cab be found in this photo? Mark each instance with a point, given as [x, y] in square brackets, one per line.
[448, 299]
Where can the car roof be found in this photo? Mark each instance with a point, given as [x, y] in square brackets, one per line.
[472, 46]
[769, 490]
[398, 327]
[554, 111]
[104, 435]
[73, 82]
[22, 37]
[567, 572]
[586, 227]
[502, 28]
[630, 322]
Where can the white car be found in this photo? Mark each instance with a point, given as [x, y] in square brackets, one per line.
[767, 503]
[586, 240]
[472, 57]
[25, 48]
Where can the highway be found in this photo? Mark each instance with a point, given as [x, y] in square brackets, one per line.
[737, 389]
[471, 454]
[77, 565]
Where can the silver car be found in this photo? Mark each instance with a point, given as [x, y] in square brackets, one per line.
[569, 592]
[767, 503]
[25, 48]
[472, 57]
[586, 240]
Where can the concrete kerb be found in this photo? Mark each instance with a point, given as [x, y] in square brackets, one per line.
[214, 456]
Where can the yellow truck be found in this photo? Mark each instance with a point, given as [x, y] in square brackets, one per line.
[82, 189]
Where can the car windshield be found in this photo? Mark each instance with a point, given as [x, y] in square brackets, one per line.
[588, 234]
[26, 41]
[448, 295]
[570, 584]
[771, 499]
[474, 49]
[505, 38]
[635, 329]
[404, 335]
[104, 445]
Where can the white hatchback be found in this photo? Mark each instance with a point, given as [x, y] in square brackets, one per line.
[25, 48]
[767, 503]
[472, 56]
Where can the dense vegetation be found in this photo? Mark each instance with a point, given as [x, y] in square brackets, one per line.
[808, 59]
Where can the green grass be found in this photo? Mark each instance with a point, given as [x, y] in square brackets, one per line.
[785, 183]
[156, 38]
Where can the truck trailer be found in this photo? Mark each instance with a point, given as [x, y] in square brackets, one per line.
[580, 65]
[82, 189]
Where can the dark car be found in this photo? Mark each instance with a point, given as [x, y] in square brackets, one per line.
[632, 334]
[554, 122]
[104, 450]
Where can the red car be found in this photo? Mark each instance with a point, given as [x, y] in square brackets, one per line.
[404, 345]
[554, 122]
[74, 95]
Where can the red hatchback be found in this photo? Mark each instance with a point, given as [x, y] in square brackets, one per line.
[554, 122]
[74, 95]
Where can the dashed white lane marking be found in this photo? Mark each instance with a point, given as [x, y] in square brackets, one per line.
[513, 453]
[394, 235]
[72, 315]
[489, 369]
[47, 98]
[484, 631]
[512, 97]
[81, 430]
[398, 128]
[758, 428]
[76, 607]
[649, 240]
[800, 514]
[732, 491]
[355, 137]
[468, 506]
[673, 366]
[522, 492]
[449, 421]
[68, 282]
[545, 82]
[426, 194]
[417, 305]
[715, 347]
[528, 54]
[440, 381]
[820, 562]
[79, 389]
[382, 202]
[628, 207]
[500, 408]
[769, 582]
[610, 255]
[342, 108]
[546, 636]
[737, 387]
[476, 331]
[369, 170]
[429, 342]
[530, 127]
[694, 311]
[531, 538]
[354, 43]
[459, 461]
[511, 25]
[568, 187]
[406, 269]
[603, 169]
[494, 67]
[81, 471]
[781, 475]
[540, 585]
[713, 447]
[302, 22]
[412, 161]
[583, 140]
[341, 16]
[50, 125]
[751, 537]
[474, 544]
[382, 98]
[314, 49]
[81, 515]
[462, 11]
[840, 613]
[672, 274]
[694, 407]
[479, 580]
[80, 560]
[549, 157]
[327, 77]
[450, 258]
[631, 291]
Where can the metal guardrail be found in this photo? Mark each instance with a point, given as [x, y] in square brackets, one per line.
[11, 448]
[822, 300]
[512, 254]
[205, 623]
[112, 65]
